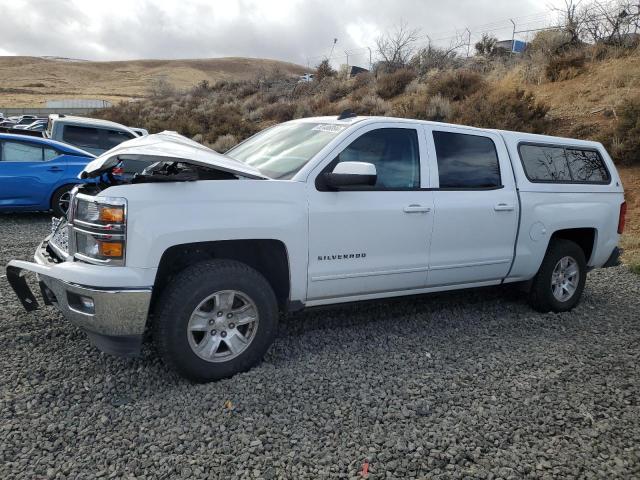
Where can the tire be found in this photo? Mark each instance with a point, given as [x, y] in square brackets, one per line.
[193, 301]
[57, 200]
[541, 295]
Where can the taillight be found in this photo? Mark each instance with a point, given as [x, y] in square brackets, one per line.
[622, 217]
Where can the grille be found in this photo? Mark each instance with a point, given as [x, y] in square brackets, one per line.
[59, 235]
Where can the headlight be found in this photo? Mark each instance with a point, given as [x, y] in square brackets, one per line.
[99, 229]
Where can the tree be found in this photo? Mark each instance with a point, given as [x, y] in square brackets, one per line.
[487, 46]
[324, 70]
[396, 47]
[436, 58]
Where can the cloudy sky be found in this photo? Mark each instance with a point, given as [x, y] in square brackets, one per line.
[300, 31]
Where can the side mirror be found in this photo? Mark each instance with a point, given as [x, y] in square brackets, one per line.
[351, 174]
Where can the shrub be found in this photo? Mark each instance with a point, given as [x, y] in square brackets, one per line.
[224, 143]
[372, 105]
[626, 142]
[280, 112]
[438, 109]
[505, 109]
[566, 66]
[389, 85]
[456, 85]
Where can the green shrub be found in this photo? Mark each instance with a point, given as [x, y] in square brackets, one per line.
[389, 85]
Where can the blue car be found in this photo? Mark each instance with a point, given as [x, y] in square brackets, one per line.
[38, 174]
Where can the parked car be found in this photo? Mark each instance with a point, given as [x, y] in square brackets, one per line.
[38, 174]
[306, 78]
[319, 211]
[90, 134]
[32, 125]
[37, 126]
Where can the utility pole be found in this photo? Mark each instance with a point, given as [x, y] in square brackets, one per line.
[335, 40]
[513, 33]
[370, 59]
[468, 41]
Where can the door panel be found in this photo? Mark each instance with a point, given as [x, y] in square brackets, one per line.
[370, 241]
[476, 212]
[364, 242]
[27, 173]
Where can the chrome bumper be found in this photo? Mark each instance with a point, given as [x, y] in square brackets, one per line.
[114, 318]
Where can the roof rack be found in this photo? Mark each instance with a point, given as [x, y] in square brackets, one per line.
[346, 114]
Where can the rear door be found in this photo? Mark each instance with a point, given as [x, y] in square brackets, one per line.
[28, 172]
[476, 207]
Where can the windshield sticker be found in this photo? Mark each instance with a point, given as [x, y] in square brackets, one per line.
[328, 128]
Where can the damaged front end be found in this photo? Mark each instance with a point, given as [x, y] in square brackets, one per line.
[81, 266]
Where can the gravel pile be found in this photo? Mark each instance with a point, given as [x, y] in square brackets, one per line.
[462, 385]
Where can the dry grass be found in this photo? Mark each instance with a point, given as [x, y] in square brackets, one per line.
[631, 238]
[31, 81]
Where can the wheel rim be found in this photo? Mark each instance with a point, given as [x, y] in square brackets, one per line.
[565, 278]
[64, 201]
[223, 326]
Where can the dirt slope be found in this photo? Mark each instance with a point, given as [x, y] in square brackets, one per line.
[31, 81]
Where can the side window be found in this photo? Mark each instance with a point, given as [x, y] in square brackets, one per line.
[466, 161]
[50, 154]
[116, 137]
[394, 152]
[81, 136]
[586, 166]
[563, 165]
[21, 152]
[545, 163]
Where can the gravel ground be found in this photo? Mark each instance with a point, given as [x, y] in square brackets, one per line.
[463, 385]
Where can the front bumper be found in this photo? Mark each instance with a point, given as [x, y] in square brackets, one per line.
[114, 318]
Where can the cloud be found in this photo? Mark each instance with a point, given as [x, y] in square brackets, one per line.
[293, 30]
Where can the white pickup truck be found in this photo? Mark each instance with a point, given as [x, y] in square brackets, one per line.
[206, 250]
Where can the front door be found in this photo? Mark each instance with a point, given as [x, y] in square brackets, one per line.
[476, 207]
[372, 240]
[27, 173]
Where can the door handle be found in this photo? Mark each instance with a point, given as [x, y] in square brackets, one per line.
[503, 207]
[54, 169]
[416, 209]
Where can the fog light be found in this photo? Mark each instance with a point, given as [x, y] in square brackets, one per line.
[81, 304]
[87, 303]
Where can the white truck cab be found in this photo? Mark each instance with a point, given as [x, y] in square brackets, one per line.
[206, 250]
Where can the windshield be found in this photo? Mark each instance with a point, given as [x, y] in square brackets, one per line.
[279, 152]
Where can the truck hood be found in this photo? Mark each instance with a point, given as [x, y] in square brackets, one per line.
[168, 147]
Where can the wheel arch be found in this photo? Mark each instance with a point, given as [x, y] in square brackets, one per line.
[268, 256]
[585, 238]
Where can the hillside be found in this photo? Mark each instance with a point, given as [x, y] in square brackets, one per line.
[590, 93]
[31, 81]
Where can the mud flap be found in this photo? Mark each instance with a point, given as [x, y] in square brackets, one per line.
[19, 284]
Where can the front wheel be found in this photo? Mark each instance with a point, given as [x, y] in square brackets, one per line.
[560, 281]
[60, 200]
[215, 319]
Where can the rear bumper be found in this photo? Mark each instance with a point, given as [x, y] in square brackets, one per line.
[114, 318]
[614, 259]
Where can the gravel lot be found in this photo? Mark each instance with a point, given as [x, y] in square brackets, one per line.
[464, 385]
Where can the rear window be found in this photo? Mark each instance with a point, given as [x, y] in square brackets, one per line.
[81, 136]
[116, 137]
[466, 161]
[545, 163]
